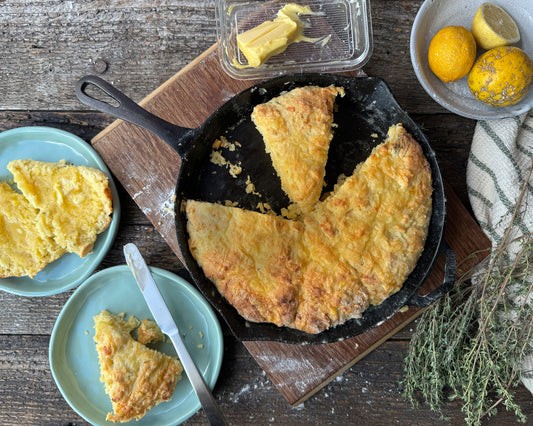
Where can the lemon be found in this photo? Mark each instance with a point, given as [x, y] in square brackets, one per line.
[493, 27]
[452, 52]
[501, 76]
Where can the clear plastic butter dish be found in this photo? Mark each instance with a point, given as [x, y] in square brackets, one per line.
[263, 39]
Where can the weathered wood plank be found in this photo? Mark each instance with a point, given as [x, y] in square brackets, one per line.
[368, 393]
[82, 124]
[47, 45]
[144, 44]
[391, 60]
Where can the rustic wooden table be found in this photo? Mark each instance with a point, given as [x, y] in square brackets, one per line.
[46, 46]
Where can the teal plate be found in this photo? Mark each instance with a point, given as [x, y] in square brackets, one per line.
[53, 145]
[73, 357]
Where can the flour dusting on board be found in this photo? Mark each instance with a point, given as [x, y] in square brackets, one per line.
[167, 207]
[162, 206]
[244, 390]
[295, 368]
[226, 95]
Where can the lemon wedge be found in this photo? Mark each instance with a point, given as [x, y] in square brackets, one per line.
[493, 27]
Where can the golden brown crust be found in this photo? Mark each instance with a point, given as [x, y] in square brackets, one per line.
[297, 130]
[353, 249]
[377, 219]
[136, 378]
[149, 332]
[251, 257]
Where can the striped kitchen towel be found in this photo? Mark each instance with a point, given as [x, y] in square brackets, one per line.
[500, 159]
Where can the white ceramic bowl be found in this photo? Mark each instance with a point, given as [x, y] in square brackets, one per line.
[456, 97]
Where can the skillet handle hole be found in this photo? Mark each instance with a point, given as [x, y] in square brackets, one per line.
[99, 95]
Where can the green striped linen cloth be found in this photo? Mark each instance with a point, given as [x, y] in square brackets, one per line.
[500, 158]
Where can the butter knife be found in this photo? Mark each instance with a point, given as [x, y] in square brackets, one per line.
[166, 323]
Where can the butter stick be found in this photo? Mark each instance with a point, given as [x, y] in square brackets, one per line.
[273, 37]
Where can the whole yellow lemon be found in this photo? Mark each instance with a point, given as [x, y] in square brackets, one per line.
[501, 76]
[452, 52]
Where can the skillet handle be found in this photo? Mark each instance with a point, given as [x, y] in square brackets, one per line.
[450, 269]
[120, 106]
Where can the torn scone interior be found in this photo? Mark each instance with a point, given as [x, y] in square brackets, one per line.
[75, 200]
[26, 244]
[51, 209]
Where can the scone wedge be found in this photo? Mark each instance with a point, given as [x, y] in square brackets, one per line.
[297, 130]
[136, 377]
[377, 219]
[253, 258]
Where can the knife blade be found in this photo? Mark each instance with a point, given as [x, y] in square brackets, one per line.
[166, 323]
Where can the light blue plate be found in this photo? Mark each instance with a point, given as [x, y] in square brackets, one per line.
[73, 357]
[53, 145]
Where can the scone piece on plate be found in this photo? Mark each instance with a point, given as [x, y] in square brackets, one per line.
[26, 245]
[297, 130]
[75, 200]
[149, 332]
[136, 378]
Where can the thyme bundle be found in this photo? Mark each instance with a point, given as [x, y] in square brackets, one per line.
[471, 344]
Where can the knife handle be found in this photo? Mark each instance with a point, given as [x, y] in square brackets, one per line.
[212, 412]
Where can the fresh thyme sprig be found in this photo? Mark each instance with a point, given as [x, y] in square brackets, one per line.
[471, 344]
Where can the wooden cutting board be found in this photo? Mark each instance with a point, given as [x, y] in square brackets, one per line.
[148, 170]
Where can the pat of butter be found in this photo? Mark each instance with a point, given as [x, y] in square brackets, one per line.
[272, 37]
[266, 40]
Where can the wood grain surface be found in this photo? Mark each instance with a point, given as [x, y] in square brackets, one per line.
[46, 47]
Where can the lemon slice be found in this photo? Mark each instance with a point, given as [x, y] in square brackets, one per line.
[493, 27]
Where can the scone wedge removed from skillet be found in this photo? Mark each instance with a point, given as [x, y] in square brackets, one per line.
[351, 250]
[136, 377]
[297, 130]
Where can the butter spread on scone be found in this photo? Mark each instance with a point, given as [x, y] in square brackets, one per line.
[75, 200]
[62, 208]
[297, 130]
[26, 244]
[136, 377]
[351, 250]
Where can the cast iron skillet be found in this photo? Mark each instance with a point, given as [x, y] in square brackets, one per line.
[363, 117]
